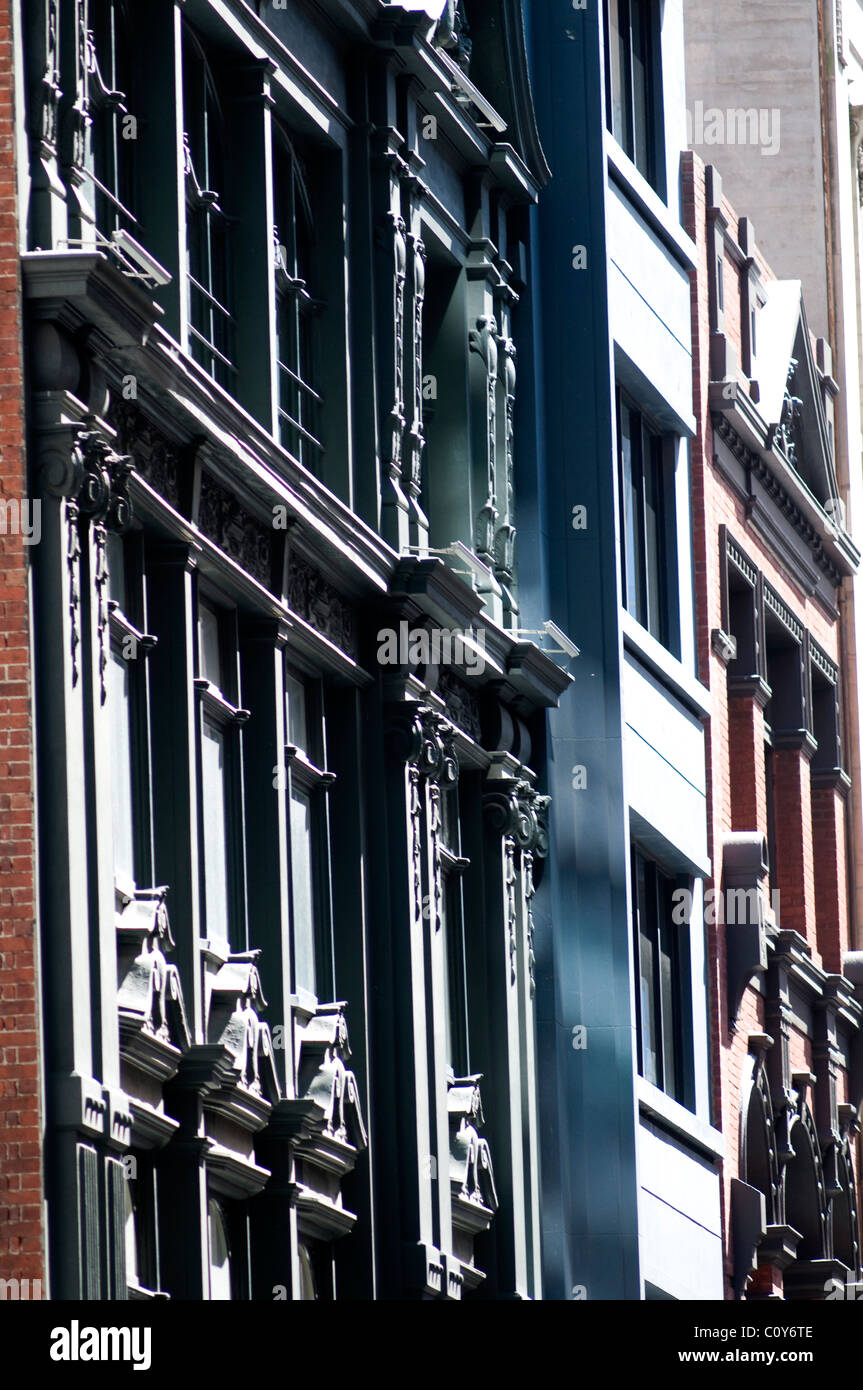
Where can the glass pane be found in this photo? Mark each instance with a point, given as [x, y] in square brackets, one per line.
[295, 712]
[655, 559]
[220, 1255]
[131, 1237]
[301, 891]
[642, 116]
[213, 791]
[116, 570]
[121, 765]
[647, 974]
[308, 1289]
[631, 501]
[669, 986]
[211, 652]
[617, 65]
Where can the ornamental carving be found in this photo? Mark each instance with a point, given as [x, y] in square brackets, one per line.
[226, 522]
[92, 478]
[233, 1021]
[504, 540]
[471, 1173]
[154, 456]
[325, 1078]
[318, 603]
[416, 442]
[453, 35]
[424, 741]
[519, 815]
[461, 703]
[150, 996]
[483, 341]
[396, 417]
[789, 420]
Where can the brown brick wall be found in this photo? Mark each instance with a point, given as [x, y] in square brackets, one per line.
[21, 1241]
[815, 824]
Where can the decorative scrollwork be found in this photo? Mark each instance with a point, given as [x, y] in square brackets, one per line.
[483, 341]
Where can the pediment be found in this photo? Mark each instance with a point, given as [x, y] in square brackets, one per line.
[791, 394]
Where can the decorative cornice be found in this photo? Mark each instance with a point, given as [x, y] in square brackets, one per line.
[778, 494]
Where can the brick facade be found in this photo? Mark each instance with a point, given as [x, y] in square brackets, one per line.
[808, 840]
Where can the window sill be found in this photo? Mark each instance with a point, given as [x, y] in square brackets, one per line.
[670, 1115]
[666, 667]
[648, 204]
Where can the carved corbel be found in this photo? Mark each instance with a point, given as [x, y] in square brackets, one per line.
[153, 1025]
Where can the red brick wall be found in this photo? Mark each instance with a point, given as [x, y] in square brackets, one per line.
[736, 790]
[21, 1242]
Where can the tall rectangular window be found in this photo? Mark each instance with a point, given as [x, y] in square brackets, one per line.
[648, 543]
[111, 80]
[127, 705]
[309, 884]
[221, 811]
[205, 135]
[299, 401]
[633, 83]
[663, 993]
[453, 866]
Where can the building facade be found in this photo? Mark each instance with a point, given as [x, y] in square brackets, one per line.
[772, 563]
[632, 1197]
[359, 929]
[289, 723]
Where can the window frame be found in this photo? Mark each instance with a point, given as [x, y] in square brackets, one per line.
[673, 1073]
[453, 866]
[217, 708]
[125, 627]
[649, 592]
[312, 781]
[208, 227]
[650, 164]
[297, 308]
[114, 187]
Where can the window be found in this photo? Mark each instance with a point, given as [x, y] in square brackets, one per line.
[299, 402]
[632, 83]
[127, 705]
[662, 995]
[453, 936]
[308, 837]
[221, 812]
[220, 1253]
[649, 549]
[205, 136]
[110, 79]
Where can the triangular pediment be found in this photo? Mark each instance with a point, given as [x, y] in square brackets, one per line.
[791, 393]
